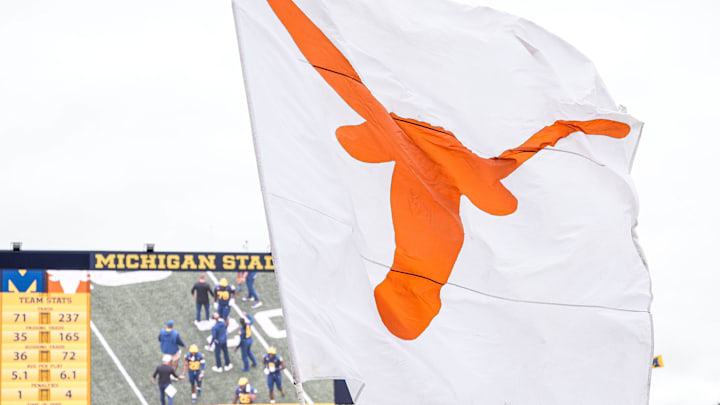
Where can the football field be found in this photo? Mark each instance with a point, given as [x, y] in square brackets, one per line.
[130, 309]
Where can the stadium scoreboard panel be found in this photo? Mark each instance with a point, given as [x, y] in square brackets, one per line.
[45, 356]
[45, 341]
[46, 337]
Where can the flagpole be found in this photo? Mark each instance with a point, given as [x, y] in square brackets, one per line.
[300, 392]
[297, 381]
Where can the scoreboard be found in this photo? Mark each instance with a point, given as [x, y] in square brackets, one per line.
[45, 348]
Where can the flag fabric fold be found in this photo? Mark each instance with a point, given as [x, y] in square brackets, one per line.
[449, 199]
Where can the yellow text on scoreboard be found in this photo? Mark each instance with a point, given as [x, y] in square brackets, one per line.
[45, 348]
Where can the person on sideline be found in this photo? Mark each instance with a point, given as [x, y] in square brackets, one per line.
[195, 363]
[200, 292]
[165, 373]
[224, 292]
[246, 340]
[249, 277]
[274, 365]
[219, 338]
[244, 392]
[170, 343]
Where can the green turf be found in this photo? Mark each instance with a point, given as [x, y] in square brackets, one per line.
[108, 383]
[130, 318]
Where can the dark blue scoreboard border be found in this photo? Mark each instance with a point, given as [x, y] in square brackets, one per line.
[129, 260]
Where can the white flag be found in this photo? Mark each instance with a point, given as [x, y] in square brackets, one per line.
[450, 205]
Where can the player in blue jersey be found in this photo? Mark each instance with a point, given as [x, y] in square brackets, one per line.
[195, 362]
[274, 365]
[224, 292]
[219, 340]
[249, 278]
[246, 340]
[244, 392]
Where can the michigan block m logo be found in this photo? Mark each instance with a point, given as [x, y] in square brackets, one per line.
[30, 281]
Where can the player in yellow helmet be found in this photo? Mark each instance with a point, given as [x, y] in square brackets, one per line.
[244, 392]
[274, 364]
[224, 292]
[195, 362]
[246, 341]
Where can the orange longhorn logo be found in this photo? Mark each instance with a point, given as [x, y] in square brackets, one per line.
[432, 170]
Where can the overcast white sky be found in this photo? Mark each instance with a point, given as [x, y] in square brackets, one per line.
[125, 122]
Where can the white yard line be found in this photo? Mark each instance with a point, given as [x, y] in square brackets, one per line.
[260, 338]
[120, 367]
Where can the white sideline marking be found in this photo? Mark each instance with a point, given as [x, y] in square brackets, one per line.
[117, 363]
[261, 339]
[263, 318]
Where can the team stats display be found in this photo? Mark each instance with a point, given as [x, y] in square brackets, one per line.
[45, 341]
